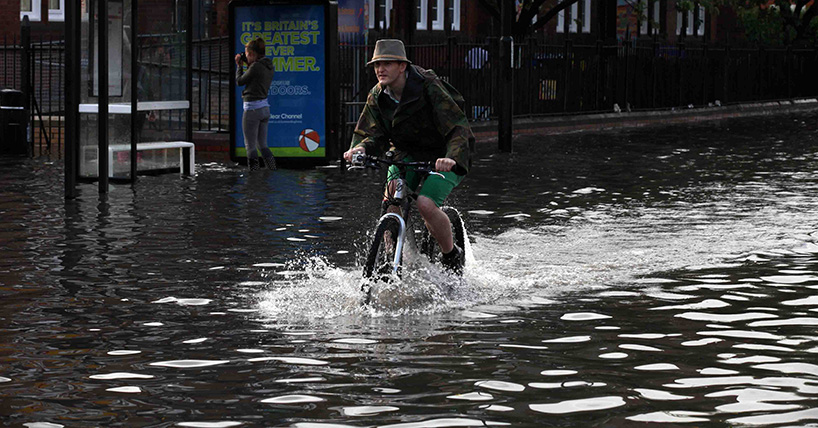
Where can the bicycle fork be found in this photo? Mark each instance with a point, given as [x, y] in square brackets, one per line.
[401, 233]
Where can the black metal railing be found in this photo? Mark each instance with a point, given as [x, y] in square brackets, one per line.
[45, 72]
[549, 79]
[212, 61]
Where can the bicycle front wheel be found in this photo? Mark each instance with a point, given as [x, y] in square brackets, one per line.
[380, 262]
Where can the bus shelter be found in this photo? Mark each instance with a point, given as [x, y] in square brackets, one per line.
[128, 89]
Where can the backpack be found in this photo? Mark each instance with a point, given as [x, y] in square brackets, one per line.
[453, 92]
[456, 96]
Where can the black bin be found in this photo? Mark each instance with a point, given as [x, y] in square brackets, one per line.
[13, 123]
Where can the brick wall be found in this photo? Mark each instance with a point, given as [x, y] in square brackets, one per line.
[221, 18]
[9, 19]
[155, 16]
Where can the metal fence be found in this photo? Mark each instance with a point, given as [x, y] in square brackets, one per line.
[549, 79]
[553, 79]
[46, 71]
[212, 61]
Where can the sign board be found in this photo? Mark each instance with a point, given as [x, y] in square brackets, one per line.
[297, 38]
[352, 22]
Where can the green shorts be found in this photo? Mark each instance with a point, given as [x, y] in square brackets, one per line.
[435, 187]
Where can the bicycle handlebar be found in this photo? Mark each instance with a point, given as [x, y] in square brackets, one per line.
[362, 160]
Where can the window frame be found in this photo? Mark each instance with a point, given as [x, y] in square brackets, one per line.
[438, 21]
[586, 17]
[423, 17]
[387, 8]
[699, 11]
[36, 11]
[455, 15]
[573, 14]
[657, 16]
[57, 15]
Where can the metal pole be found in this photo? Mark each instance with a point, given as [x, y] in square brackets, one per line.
[333, 148]
[134, 85]
[189, 80]
[25, 82]
[566, 74]
[102, 79]
[72, 83]
[506, 80]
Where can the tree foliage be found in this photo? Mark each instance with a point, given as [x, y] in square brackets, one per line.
[778, 21]
[525, 13]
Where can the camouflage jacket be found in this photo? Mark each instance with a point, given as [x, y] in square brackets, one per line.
[427, 123]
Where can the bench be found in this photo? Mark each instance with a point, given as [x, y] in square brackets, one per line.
[187, 153]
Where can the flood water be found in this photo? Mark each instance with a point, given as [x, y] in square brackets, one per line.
[664, 276]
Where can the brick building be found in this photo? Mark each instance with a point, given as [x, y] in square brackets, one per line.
[433, 19]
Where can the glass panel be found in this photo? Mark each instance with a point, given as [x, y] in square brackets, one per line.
[119, 89]
[25, 6]
[54, 4]
[161, 88]
[162, 80]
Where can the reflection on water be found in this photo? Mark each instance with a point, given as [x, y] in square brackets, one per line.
[665, 276]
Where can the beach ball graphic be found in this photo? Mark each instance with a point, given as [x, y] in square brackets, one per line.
[309, 140]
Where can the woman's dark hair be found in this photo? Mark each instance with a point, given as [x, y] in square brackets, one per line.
[257, 46]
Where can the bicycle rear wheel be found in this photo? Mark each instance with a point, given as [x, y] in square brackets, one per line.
[381, 257]
[427, 243]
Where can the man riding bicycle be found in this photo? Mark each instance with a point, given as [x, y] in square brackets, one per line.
[411, 112]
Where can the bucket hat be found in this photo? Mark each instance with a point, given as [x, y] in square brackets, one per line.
[389, 50]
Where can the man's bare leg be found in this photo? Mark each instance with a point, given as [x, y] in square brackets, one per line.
[437, 222]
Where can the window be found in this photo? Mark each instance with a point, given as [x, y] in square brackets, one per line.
[438, 18]
[385, 8]
[579, 14]
[423, 14]
[437, 14]
[56, 10]
[31, 9]
[586, 17]
[455, 11]
[696, 21]
[651, 15]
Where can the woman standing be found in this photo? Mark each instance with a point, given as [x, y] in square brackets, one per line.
[256, 116]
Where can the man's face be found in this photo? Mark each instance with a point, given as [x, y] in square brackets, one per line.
[388, 71]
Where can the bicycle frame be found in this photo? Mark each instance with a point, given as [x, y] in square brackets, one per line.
[392, 227]
[399, 197]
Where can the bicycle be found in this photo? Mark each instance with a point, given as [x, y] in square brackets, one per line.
[385, 256]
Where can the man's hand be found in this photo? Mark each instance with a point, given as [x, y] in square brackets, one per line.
[348, 154]
[444, 164]
[238, 59]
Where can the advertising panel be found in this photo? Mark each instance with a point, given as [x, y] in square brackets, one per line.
[352, 21]
[295, 36]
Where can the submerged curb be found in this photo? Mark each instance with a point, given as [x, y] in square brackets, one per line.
[486, 131]
[552, 125]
